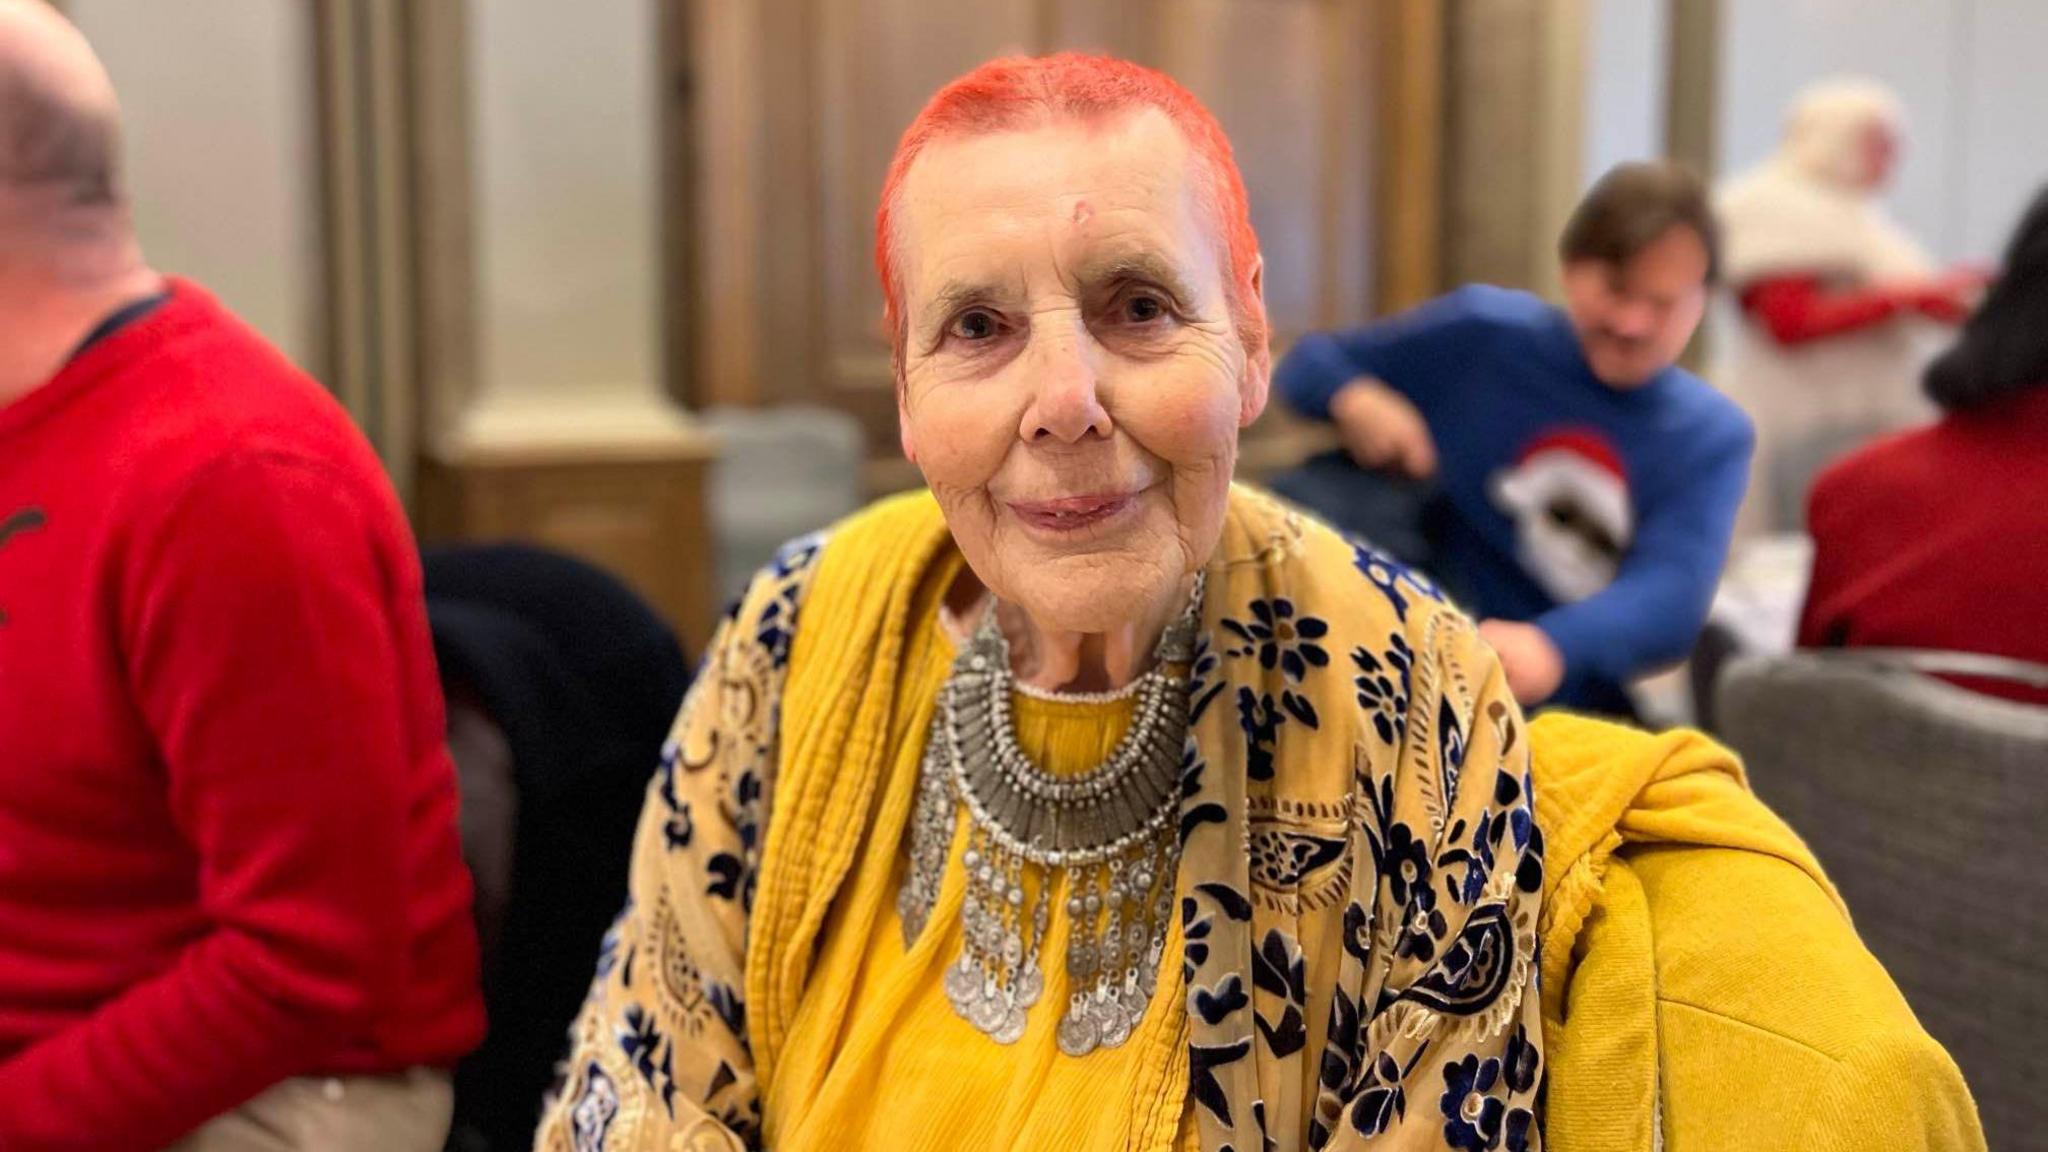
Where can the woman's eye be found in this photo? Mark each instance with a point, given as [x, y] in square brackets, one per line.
[973, 324]
[1143, 309]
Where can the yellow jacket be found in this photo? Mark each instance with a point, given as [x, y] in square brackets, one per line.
[1700, 971]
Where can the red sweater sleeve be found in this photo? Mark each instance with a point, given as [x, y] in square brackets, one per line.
[1794, 309]
[261, 653]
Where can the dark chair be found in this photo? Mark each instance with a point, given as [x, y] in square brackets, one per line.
[1925, 802]
[561, 684]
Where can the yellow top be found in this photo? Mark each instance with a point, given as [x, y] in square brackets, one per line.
[904, 1071]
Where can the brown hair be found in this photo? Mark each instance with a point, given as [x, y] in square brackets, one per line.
[1633, 205]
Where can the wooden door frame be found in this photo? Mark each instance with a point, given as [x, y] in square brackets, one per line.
[1408, 154]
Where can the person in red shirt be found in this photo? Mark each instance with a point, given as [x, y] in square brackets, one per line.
[1938, 538]
[232, 897]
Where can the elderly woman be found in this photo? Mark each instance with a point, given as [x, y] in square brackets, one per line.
[1085, 801]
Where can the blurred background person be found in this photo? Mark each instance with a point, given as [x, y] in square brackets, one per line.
[1834, 294]
[1938, 538]
[231, 893]
[1588, 485]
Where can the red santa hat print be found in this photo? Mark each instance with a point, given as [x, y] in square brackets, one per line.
[1567, 493]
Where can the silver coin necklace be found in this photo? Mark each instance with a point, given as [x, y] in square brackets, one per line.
[1110, 831]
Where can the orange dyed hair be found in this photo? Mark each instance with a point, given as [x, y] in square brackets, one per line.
[1019, 92]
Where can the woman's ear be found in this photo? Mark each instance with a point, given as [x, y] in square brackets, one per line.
[1258, 357]
[903, 435]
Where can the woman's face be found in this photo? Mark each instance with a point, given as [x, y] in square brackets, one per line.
[1073, 383]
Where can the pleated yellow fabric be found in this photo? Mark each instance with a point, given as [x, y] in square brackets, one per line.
[899, 1069]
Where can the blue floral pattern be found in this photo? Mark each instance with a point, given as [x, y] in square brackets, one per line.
[1383, 686]
[1280, 640]
[649, 1052]
[1391, 576]
[1472, 1112]
[593, 1109]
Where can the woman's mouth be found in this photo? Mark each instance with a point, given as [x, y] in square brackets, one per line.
[1073, 513]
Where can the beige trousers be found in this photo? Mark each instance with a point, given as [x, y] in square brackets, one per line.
[404, 1113]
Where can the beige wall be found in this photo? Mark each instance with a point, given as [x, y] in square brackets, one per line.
[220, 105]
[565, 163]
[1967, 71]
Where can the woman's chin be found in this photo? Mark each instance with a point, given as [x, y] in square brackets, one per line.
[1095, 599]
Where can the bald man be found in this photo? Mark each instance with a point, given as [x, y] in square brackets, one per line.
[233, 911]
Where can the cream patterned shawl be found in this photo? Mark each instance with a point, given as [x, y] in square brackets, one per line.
[1358, 886]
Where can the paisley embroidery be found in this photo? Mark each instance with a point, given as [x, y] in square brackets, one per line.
[1281, 857]
[1474, 970]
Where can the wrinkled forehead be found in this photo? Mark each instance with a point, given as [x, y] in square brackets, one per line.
[1053, 196]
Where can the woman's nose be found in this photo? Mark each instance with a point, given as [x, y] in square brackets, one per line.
[1066, 402]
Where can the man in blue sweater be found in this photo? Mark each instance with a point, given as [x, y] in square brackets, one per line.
[1590, 484]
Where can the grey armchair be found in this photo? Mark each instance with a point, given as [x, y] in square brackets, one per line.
[1927, 804]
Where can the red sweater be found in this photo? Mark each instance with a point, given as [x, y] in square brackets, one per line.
[228, 848]
[1938, 538]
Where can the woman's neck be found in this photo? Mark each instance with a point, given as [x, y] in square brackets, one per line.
[1065, 661]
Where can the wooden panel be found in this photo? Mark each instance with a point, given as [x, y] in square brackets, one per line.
[641, 520]
[677, 125]
[366, 174]
[1493, 136]
[731, 87]
[1410, 126]
[800, 104]
[793, 285]
[444, 252]
[878, 62]
[1118, 29]
[1224, 51]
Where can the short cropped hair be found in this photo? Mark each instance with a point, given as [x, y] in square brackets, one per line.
[1024, 92]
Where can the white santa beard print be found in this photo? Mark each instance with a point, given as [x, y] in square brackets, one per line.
[1572, 521]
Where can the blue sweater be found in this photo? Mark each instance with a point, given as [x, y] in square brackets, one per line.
[1529, 441]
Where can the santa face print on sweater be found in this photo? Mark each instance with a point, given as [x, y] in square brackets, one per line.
[1567, 494]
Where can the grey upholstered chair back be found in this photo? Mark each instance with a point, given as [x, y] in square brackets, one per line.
[781, 472]
[1798, 463]
[1927, 804]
